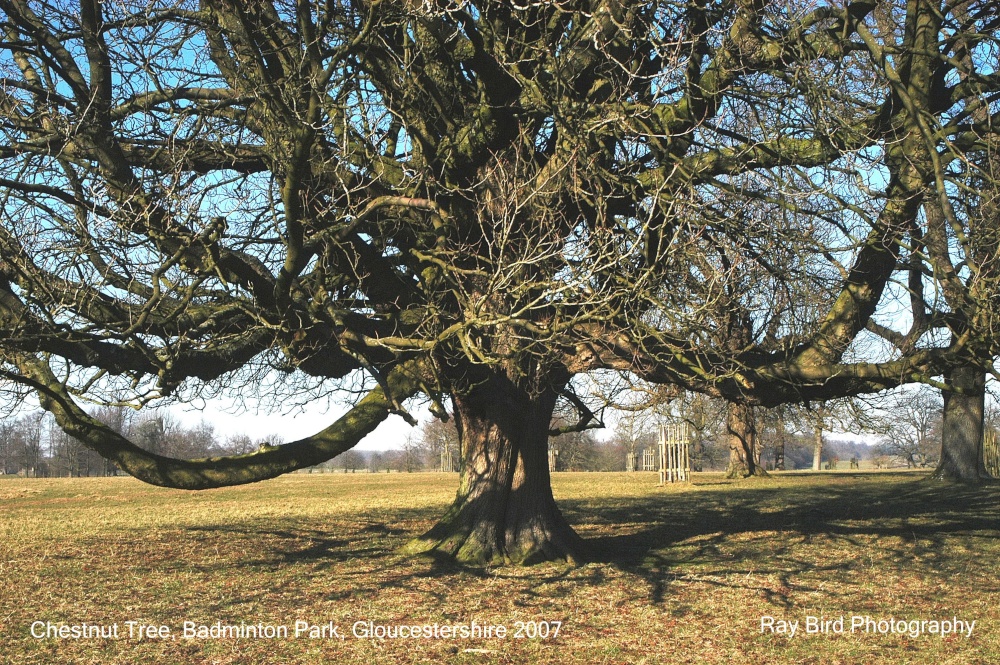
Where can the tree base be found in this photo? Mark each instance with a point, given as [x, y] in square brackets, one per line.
[951, 475]
[466, 538]
[742, 473]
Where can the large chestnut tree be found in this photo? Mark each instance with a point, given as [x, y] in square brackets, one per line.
[476, 202]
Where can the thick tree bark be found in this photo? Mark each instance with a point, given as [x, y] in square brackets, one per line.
[741, 427]
[504, 510]
[818, 439]
[962, 428]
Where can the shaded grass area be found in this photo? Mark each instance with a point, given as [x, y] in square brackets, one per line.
[678, 575]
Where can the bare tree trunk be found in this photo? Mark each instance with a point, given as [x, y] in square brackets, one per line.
[504, 510]
[779, 442]
[962, 429]
[818, 439]
[742, 430]
[698, 454]
[737, 457]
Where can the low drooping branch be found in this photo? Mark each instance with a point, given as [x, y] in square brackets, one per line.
[266, 463]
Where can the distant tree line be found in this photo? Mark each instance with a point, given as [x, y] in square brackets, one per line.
[32, 445]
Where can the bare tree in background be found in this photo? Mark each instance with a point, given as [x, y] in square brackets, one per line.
[352, 460]
[913, 418]
[440, 440]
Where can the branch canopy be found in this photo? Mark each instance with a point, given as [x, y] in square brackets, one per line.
[740, 198]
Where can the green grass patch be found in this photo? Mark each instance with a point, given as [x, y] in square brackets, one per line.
[678, 575]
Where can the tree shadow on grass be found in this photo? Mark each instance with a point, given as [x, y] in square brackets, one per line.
[756, 536]
[294, 544]
[761, 530]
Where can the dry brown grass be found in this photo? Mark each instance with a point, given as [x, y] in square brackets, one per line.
[679, 575]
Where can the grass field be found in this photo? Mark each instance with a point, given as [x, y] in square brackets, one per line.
[678, 575]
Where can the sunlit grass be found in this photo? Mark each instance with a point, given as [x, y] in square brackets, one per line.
[678, 574]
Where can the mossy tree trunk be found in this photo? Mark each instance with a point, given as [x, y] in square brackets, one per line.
[962, 427]
[504, 510]
[741, 427]
[818, 423]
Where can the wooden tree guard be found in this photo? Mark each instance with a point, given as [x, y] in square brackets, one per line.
[648, 460]
[675, 460]
[447, 461]
[991, 453]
